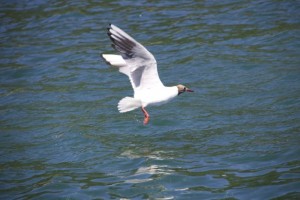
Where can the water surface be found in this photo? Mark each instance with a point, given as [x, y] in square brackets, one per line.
[236, 137]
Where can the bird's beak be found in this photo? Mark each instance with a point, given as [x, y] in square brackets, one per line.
[189, 90]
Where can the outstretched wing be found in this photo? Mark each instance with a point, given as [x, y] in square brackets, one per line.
[140, 63]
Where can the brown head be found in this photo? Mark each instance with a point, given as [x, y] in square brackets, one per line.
[182, 89]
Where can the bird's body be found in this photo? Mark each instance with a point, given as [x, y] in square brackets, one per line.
[140, 66]
[156, 96]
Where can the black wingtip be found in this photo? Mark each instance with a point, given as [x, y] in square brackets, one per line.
[112, 39]
[114, 47]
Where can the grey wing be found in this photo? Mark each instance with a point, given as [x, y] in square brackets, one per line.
[141, 63]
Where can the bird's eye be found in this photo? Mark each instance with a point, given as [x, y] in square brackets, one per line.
[184, 89]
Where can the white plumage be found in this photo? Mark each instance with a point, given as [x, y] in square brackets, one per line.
[140, 66]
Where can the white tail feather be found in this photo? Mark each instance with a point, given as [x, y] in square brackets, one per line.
[128, 104]
[114, 60]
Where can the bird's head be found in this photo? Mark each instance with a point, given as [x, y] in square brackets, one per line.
[182, 89]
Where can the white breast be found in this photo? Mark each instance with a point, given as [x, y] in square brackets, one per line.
[156, 96]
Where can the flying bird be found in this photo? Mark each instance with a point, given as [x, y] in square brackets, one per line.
[140, 66]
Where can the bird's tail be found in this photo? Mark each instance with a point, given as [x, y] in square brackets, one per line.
[128, 104]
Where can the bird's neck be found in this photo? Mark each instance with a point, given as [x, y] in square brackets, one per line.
[172, 90]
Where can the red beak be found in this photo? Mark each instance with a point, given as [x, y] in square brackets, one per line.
[189, 90]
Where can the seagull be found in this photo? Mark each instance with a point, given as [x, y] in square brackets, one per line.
[140, 66]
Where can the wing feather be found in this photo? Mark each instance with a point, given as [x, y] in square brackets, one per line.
[140, 62]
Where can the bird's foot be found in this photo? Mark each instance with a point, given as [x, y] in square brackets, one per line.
[147, 116]
[146, 120]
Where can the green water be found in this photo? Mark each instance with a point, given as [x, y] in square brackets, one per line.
[236, 137]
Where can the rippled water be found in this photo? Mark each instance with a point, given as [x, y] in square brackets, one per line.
[236, 137]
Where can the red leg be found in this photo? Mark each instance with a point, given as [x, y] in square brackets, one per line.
[147, 116]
